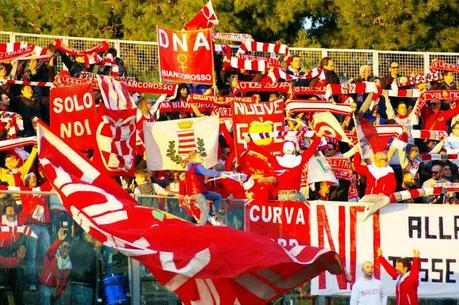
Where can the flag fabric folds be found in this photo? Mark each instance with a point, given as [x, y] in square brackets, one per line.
[205, 18]
[201, 264]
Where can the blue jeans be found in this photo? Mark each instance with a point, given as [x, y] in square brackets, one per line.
[81, 294]
[36, 246]
[45, 295]
[201, 201]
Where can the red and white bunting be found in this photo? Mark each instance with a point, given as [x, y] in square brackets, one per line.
[26, 83]
[15, 50]
[295, 106]
[416, 193]
[439, 157]
[18, 229]
[18, 142]
[411, 93]
[428, 134]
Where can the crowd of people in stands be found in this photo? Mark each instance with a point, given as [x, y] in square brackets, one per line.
[57, 254]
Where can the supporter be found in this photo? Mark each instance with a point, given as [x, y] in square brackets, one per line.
[87, 269]
[367, 290]
[197, 189]
[390, 81]
[292, 164]
[10, 275]
[446, 173]
[436, 172]
[321, 191]
[328, 67]
[436, 119]
[380, 182]
[35, 214]
[146, 187]
[15, 172]
[143, 115]
[364, 75]
[451, 143]
[401, 116]
[55, 270]
[295, 68]
[74, 66]
[407, 276]
[447, 83]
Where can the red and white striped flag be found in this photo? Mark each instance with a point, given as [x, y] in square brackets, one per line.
[295, 106]
[416, 193]
[439, 157]
[328, 125]
[216, 266]
[116, 133]
[205, 18]
[14, 50]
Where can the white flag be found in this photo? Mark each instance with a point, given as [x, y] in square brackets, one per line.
[168, 143]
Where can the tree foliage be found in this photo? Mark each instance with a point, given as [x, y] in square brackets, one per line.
[376, 24]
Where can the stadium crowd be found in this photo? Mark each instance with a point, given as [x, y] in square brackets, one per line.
[58, 255]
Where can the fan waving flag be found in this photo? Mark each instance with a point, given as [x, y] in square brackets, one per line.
[214, 266]
[205, 18]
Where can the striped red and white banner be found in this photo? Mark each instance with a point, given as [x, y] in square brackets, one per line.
[18, 142]
[295, 106]
[416, 193]
[439, 157]
[15, 50]
[26, 83]
[429, 134]
[411, 93]
[281, 134]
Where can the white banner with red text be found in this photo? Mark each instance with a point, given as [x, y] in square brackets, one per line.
[397, 230]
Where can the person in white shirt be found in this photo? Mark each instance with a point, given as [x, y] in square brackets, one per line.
[367, 290]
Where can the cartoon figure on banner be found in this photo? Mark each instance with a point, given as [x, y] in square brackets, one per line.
[187, 142]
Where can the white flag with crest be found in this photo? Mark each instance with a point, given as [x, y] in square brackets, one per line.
[168, 143]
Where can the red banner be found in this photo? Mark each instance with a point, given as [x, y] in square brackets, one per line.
[258, 118]
[73, 114]
[287, 222]
[64, 79]
[186, 56]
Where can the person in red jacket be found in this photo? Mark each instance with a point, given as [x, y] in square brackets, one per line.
[196, 187]
[289, 180]
[55, 271]
[407, 276]
[381, 182]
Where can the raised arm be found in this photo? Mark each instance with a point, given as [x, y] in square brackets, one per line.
[387, 266]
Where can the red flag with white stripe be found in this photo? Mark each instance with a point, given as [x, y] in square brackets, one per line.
[215, 266]
[116, 131]
[205, 18]
[14, 50]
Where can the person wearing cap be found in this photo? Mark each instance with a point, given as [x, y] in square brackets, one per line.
[291, 165]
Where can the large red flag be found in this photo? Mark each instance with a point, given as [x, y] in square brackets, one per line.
[203, 265]
[205, 18]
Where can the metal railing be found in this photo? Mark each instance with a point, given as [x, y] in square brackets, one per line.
[141, 57]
